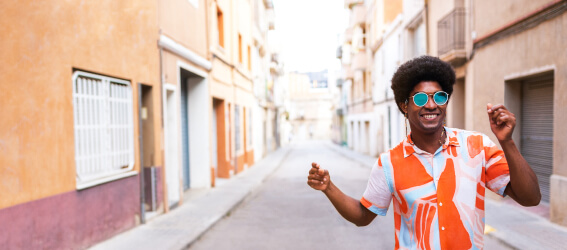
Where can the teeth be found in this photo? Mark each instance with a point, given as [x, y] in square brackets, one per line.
[430, 116]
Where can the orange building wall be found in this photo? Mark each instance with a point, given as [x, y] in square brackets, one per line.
[392, 8]
[185, 23]
[43, 41]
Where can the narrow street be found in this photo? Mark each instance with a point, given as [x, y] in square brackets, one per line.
[285, 213]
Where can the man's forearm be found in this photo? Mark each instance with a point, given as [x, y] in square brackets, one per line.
[348, 207]
[523, 181]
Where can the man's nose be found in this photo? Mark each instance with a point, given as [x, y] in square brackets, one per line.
[430, 103]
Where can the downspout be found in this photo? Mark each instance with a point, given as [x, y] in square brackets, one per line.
[162, 84]
[140, 142]
[426, 9]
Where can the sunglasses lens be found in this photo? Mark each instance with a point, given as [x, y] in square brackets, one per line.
[440, 98]
[420, 99]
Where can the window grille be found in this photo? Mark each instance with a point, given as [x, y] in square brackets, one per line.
[104, 134]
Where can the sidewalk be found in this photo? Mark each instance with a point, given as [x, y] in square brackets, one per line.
[506, 221]
[185, 224]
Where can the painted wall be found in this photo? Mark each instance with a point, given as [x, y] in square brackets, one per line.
[488, 15]
[231, 79]
[46, 42]
[72, 220]
[186, 23]
[549, 55]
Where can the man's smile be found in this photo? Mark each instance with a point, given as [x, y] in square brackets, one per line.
[429, 116]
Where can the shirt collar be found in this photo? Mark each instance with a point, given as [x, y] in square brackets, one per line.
[410, 148]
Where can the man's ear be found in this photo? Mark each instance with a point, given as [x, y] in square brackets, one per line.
[404, 107]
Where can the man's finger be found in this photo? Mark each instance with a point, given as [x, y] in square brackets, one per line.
[315, 177]
[498, 106]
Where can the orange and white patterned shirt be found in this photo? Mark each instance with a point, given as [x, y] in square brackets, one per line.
[438, 198]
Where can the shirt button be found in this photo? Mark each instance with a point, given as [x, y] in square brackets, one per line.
[442, 228]
[440, 203]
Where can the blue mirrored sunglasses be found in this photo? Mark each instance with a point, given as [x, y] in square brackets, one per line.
[421, 98]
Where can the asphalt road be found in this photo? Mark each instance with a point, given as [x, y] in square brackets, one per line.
[285, 213]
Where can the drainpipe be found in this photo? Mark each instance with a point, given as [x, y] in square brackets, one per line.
[426, 9]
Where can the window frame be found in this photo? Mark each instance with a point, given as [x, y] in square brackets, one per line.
[97, 134]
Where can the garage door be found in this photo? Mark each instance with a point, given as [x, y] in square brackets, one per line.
[537, 130]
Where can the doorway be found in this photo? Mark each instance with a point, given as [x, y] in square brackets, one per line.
[150, 175]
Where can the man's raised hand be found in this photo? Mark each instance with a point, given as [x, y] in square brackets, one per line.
[318, 178]
[502, 121]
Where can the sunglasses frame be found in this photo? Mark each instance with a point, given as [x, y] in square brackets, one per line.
[432, 96]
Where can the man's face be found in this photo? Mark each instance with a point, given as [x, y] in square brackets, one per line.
[430, 117]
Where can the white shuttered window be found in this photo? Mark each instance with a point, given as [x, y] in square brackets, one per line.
[104, 134]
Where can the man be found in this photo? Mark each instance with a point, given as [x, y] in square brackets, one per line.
[437, 176]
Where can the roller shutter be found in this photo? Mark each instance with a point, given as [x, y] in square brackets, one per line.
[537, 130]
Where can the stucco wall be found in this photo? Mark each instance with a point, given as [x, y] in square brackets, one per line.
[42, 43]
[185, 23]
[521, 55]
[488, 15]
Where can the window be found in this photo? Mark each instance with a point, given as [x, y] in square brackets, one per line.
[249, 58]
[237, 127]
[239, 48]
[220, 27]
[103, 124]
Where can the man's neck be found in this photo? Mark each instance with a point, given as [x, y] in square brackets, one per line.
[429, 142]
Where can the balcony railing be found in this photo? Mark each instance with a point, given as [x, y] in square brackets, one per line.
[451, 35]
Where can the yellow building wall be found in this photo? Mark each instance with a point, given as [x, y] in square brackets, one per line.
[43, 42]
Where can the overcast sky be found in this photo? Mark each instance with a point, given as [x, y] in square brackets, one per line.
[307, 32]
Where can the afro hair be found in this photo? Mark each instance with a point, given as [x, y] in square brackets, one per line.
[419, 69]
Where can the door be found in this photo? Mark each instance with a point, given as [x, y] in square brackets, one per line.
[537, 130]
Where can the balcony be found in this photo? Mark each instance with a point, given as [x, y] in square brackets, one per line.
[350, 3]
[451, 37]
[359, 61]
[358, 15]
[348, 35]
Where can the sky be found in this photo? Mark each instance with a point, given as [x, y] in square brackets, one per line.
[307, 33]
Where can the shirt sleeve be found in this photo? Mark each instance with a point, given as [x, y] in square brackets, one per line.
[496, 167]
[377, 196]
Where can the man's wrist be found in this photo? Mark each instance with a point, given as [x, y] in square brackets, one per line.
[329, 188]
[508, 141]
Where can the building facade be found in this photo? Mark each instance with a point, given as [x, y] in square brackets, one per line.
[130, 105]
[310, 112]
[231, 85]
[80, 85]
[507, 52]
[531, 79]
[185, 68]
